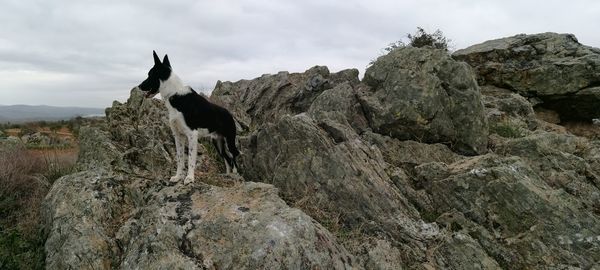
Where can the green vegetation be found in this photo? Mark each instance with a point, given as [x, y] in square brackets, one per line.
[419, 39]
[72, 125]
[18, 251]
[506, 130]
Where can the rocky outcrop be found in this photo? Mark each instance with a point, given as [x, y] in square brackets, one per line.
[552, 68]
[414, 167]
[325, 159]
[120, 212]
[423, 94]
[345, 160]
[269, 97]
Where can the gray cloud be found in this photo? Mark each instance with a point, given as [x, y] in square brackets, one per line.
[88, 53]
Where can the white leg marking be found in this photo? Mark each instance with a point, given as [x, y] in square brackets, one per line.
[227, 167]
[180, 152]
[192, 155]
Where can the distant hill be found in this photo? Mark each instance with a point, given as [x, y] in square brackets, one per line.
[27, 113]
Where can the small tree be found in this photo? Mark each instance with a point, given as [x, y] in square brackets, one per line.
[421, 39]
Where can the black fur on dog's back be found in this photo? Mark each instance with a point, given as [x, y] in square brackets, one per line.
[200, 113]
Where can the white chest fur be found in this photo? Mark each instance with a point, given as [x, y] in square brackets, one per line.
[176, 120]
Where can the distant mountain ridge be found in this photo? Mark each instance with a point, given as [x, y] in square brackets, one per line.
[26, 113]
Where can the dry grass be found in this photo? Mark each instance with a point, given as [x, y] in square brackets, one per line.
[55, 162]
[350, 236]
[583, 129]
[25, 178]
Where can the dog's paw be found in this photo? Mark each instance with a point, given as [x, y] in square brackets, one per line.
[175, 178]
[188, 179]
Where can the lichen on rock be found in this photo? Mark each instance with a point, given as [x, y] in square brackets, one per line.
[417, 166]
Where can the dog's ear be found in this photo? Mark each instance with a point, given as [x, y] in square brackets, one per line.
[166, 61]
[156, 59]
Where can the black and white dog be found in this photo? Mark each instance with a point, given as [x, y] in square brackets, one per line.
[191, 115]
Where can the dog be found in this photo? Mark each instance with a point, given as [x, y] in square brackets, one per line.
[190, 116]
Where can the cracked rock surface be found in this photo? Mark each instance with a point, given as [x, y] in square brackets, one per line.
[414, 167]
[120, 212]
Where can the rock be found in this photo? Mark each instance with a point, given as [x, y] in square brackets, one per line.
[326, 160]
[25, 138]
[118, 212]
[139, 130]
[503, 106]
[81, 211]
[407, 154]
[243, 227]
[560, 161]
[265, 99]
[581, 106]
[381, 255]
[513, 213]
[96, 150]
[338, 174]
[297, 156]
[340, 104]
[461, 251]
[423, 94]
[182, 226]
[554, 68]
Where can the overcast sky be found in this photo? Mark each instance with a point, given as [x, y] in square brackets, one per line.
[89, 53]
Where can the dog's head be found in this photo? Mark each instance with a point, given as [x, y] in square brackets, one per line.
[159, 73]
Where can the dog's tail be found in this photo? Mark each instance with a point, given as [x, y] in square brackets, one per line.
[231, 146]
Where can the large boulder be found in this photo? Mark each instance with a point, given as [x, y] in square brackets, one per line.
[326, 160]
[269, 97]
[301, 158]
[554, 68]
[139, 130]
[423, 94]
[517, 217]
[246, 226]
[99, 220]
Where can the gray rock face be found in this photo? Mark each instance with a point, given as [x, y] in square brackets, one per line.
[300, 158]
[215, 226]
[266, 98]
[422, 205]
[505, 106]
[334, 182]
[120, 213]
[516, 216]
[423, 94]
[326, 160]
[556, 68]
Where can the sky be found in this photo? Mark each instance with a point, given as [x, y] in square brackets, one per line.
[89, 53]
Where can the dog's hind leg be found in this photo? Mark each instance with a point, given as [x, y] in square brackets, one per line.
[192, 155]
[180, 155]
[219, 143]
[230, 153]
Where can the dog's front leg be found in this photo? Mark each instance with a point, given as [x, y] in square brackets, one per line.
[193, 153]
[179, 141]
